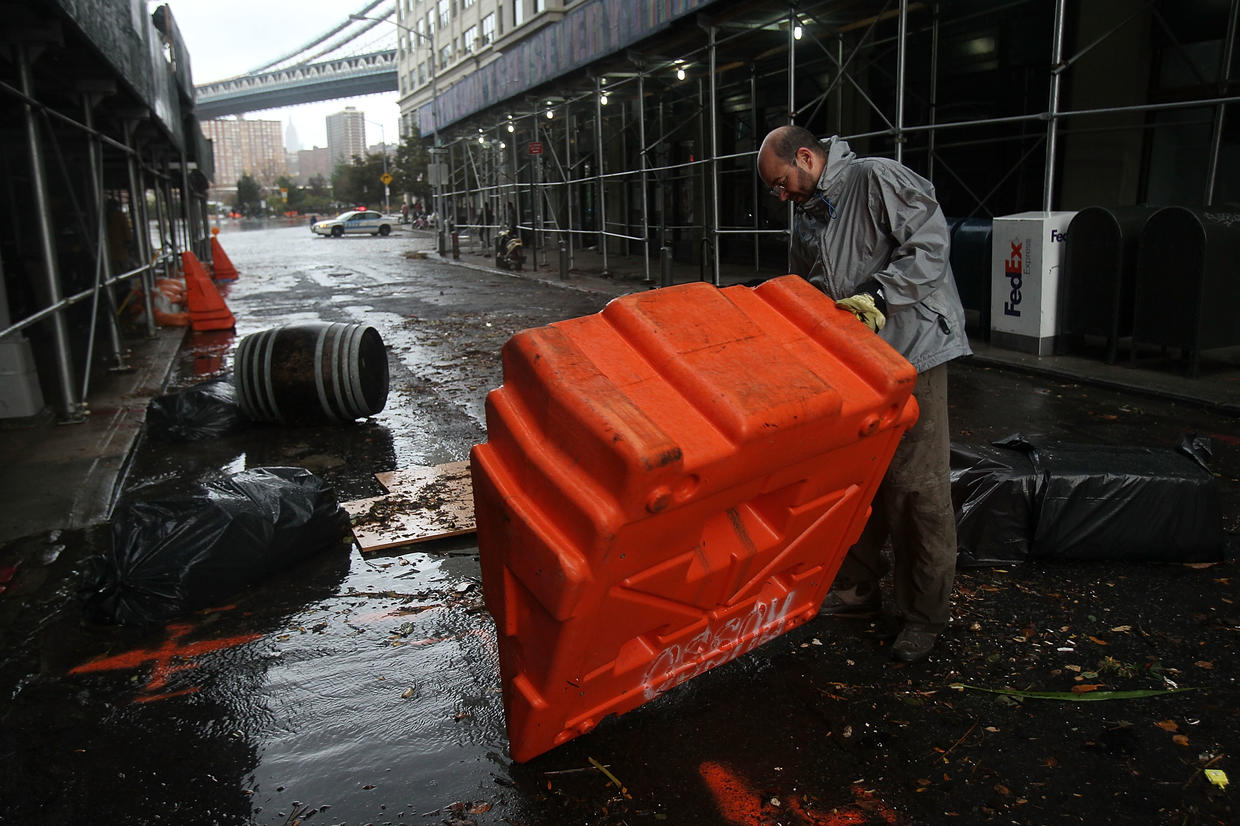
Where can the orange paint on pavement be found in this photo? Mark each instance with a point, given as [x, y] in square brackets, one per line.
[734, 797]
[168, 659]
[740, 804]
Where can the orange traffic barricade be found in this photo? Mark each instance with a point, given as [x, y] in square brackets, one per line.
[670, 483]
[222, 268]
[207, 310]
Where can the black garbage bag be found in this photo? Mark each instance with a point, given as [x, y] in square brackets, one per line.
[1025, 498]
[1125, 503]
[194, 548]
[993, 494]
[205, 411]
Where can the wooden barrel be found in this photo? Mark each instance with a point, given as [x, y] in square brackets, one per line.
[312, 373]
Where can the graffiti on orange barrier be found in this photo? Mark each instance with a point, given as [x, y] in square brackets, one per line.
[166, 660]
[740, 804]
[678, 664]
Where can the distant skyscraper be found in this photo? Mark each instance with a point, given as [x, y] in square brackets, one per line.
[291, 143]
[240, 147]
[346, 135]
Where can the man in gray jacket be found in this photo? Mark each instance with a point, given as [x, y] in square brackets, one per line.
[869, 233]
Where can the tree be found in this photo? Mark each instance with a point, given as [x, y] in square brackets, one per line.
[409, 168]
[358, 182]
[249, 196]
[319, 187]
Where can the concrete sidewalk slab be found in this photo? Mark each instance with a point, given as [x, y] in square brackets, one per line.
[68, 475]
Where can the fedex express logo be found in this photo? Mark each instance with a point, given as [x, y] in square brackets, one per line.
[1014, 269]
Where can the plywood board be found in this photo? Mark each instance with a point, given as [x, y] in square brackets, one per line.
[422, 503]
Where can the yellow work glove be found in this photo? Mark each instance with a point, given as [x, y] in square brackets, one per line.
[863, 307]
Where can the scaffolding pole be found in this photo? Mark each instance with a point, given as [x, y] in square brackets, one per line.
[644, 161]
[600, 200]
[1224, 78]
[1052, 110]
[902, 37]
[103, 259]
[568, 168]
[70, 407]
[141, 225]
[714, 157]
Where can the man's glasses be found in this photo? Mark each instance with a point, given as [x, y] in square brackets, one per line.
[778, 189]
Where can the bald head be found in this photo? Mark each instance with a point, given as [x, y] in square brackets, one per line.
[790, 162]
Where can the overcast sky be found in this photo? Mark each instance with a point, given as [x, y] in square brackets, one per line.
[230, 37]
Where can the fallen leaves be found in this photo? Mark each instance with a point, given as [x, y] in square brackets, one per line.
[1168, 725]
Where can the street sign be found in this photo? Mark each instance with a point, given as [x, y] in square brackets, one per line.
[436, 174]
[386, 178]
[535, 147]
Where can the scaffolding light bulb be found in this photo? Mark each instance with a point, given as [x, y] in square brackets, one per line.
[680, 73]
[511, 128]
[550, 114]
[482, 140]
[503, 145]
[602, 99]
[796, 32]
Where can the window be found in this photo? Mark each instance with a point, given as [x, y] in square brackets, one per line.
[471, 35]
[467, 3]
[445, 52]
[445, 13]
[488, 28]
[518, 12]
[539, 6]
[430, 23]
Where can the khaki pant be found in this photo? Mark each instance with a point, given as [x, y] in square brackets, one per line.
[913, 507]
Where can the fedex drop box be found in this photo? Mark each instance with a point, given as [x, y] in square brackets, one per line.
[1026, 255]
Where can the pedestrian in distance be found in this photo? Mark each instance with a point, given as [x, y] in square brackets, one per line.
[869, 233]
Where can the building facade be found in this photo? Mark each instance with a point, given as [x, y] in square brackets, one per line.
[346, 135]
[443, 41]
[245, 147]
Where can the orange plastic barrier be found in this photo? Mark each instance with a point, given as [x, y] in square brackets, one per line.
[221, 265]
[669, 484]
[207, 310]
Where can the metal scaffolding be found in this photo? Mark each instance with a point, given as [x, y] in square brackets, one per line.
[89, 185]
[578, 165]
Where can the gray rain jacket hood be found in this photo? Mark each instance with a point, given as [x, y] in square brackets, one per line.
[873, 219]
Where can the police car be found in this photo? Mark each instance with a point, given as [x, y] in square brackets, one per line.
[355, 222]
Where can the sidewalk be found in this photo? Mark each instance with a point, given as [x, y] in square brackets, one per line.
[59, 476]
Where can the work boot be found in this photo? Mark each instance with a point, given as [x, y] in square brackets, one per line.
[860, 600]
[913, 643]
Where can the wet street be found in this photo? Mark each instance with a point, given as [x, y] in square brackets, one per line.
[359, 689]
